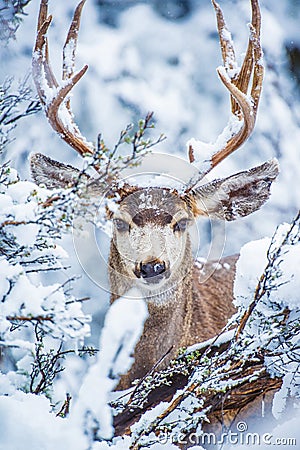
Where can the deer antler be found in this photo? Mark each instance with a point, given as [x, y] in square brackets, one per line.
[244, 87]
[53, 96]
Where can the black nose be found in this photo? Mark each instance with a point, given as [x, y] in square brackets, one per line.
[152, 269]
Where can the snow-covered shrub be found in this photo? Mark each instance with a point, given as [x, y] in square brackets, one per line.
[270, 299]
[36, 317]
[12, 107]
[40, 321]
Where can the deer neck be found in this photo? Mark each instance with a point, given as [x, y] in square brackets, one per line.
[169, 320]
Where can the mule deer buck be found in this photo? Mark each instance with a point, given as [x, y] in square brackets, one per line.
[151, 245]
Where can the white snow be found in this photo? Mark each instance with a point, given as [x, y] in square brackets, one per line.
[251, 265]
[289, 290]
[26, 422]
[281, 396]
[249, 268]
[203, 152]
[122, 329]
[226, 336]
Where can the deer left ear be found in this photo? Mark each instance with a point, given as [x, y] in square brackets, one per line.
[238, 195]
[51, 173]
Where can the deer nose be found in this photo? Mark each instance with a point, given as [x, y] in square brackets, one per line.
[152, 269]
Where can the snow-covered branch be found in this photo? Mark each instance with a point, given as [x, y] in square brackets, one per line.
[14, 104]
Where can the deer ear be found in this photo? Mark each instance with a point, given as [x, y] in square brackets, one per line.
[52, 174]
[238, 195]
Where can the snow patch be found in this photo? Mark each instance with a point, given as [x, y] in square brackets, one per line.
[122, 329]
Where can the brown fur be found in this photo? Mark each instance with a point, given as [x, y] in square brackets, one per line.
[195, 312]
[184, 311]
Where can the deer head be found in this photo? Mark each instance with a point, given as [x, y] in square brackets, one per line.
[150, 234]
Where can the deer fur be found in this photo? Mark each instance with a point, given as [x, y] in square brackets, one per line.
[151, 247]
[182, 310]
[196, 312]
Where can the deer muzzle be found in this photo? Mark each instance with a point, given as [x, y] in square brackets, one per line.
[152, 271]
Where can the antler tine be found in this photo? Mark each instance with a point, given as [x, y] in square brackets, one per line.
[242, 78]
[244, 104]
[69, 49]
[227, 48]
[53, 97]
[258, 74]
[252, 58]
[40, 61]
[243, 107]
[228, 52]
[63, 124]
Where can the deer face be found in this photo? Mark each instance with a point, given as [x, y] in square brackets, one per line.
[151, 234]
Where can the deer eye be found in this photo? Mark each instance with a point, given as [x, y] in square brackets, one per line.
[181, 225]
[121, 225]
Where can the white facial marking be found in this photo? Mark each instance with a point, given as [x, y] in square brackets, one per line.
[150, 235]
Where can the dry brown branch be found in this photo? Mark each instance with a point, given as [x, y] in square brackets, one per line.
[30, 319]
[50, 201]
[249, 381]
[65, 409]
[12, 222]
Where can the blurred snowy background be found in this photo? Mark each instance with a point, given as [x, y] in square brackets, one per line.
[161, 56]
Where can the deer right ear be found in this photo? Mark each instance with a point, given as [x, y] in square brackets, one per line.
[238, 195]
[52, 174]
